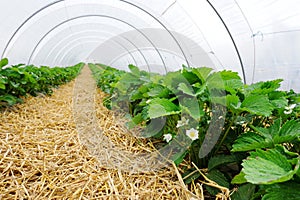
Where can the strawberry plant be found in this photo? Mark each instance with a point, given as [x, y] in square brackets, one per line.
[247, 136]
[20, 80]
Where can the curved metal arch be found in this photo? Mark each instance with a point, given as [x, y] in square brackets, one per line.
[122, 46]
[66, 53]
[59, 1]
[179, 55]
[127, 51]
[94, 15]
[56, 45]
[66, 46]
[162, 24]
[231, 37]
[146, 61]
[122, 37]
[60, 42]
[63, 48]
[140, 50]
[26, 20]
[204, 38]
[118, 43]
[67, 56]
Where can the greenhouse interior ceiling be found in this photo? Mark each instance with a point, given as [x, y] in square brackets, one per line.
[259, 39]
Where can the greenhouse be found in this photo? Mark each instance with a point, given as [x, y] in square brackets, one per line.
[128, 99]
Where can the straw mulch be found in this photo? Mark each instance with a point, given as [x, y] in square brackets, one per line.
[43, 157]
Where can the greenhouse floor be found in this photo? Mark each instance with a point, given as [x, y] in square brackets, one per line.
[42, 155]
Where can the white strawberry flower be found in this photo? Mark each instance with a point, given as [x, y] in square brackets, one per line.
[168, 137]
[287, 112]
[192, 133]
[182, 122]
[289, 109]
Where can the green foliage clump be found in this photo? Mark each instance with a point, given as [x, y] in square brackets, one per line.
[20, 80]
[247, 136]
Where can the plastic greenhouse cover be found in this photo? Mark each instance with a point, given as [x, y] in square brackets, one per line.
[260, 39]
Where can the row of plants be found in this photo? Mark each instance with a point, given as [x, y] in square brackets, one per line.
[246, 136]
[19, 80]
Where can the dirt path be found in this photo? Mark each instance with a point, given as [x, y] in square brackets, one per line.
[111, 155]
[42, 156]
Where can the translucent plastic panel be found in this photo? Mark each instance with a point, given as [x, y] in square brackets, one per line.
[259, 38]
[197, 21]
[158, 40]
[174, 61]
[13, 14]
[273, 27]
[67, 14]
[265, 33]
[57, 42]
[277, 60]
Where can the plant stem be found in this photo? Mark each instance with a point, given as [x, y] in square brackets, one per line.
[224, 136]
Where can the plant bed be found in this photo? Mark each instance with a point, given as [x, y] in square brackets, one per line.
[242, 137]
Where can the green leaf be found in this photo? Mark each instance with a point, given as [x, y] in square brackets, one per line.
[224, 80]
[288, 191]
[239, 179]
[268, 137]
[257, 104]
[189, 175]
[267, 167]
[136, 95]
[274, 129]
[172, 80]
[279, 103]
[156, 78]
[229, 75]
[191, 106]
[278, 99]
[189, 75]
[233, 101]
[161, 107]
[15, 85]
[219, 178]
[288, 132]
[186, 89]
[158, 91]
[138, 118]
[154, 128]
[219, 79]
[233, 85]
[215, 81]
[134, 70]
[178, 157]
[126, 81]
[9, 99]
[200, 89]
[218, 160]
[298, 173]
[263, 87]
[202, 73]
[144, 88]
[244, 192]
[3, 62]
[249, 141]
[2, 83]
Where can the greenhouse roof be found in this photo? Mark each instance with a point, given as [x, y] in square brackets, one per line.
[260, 39]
